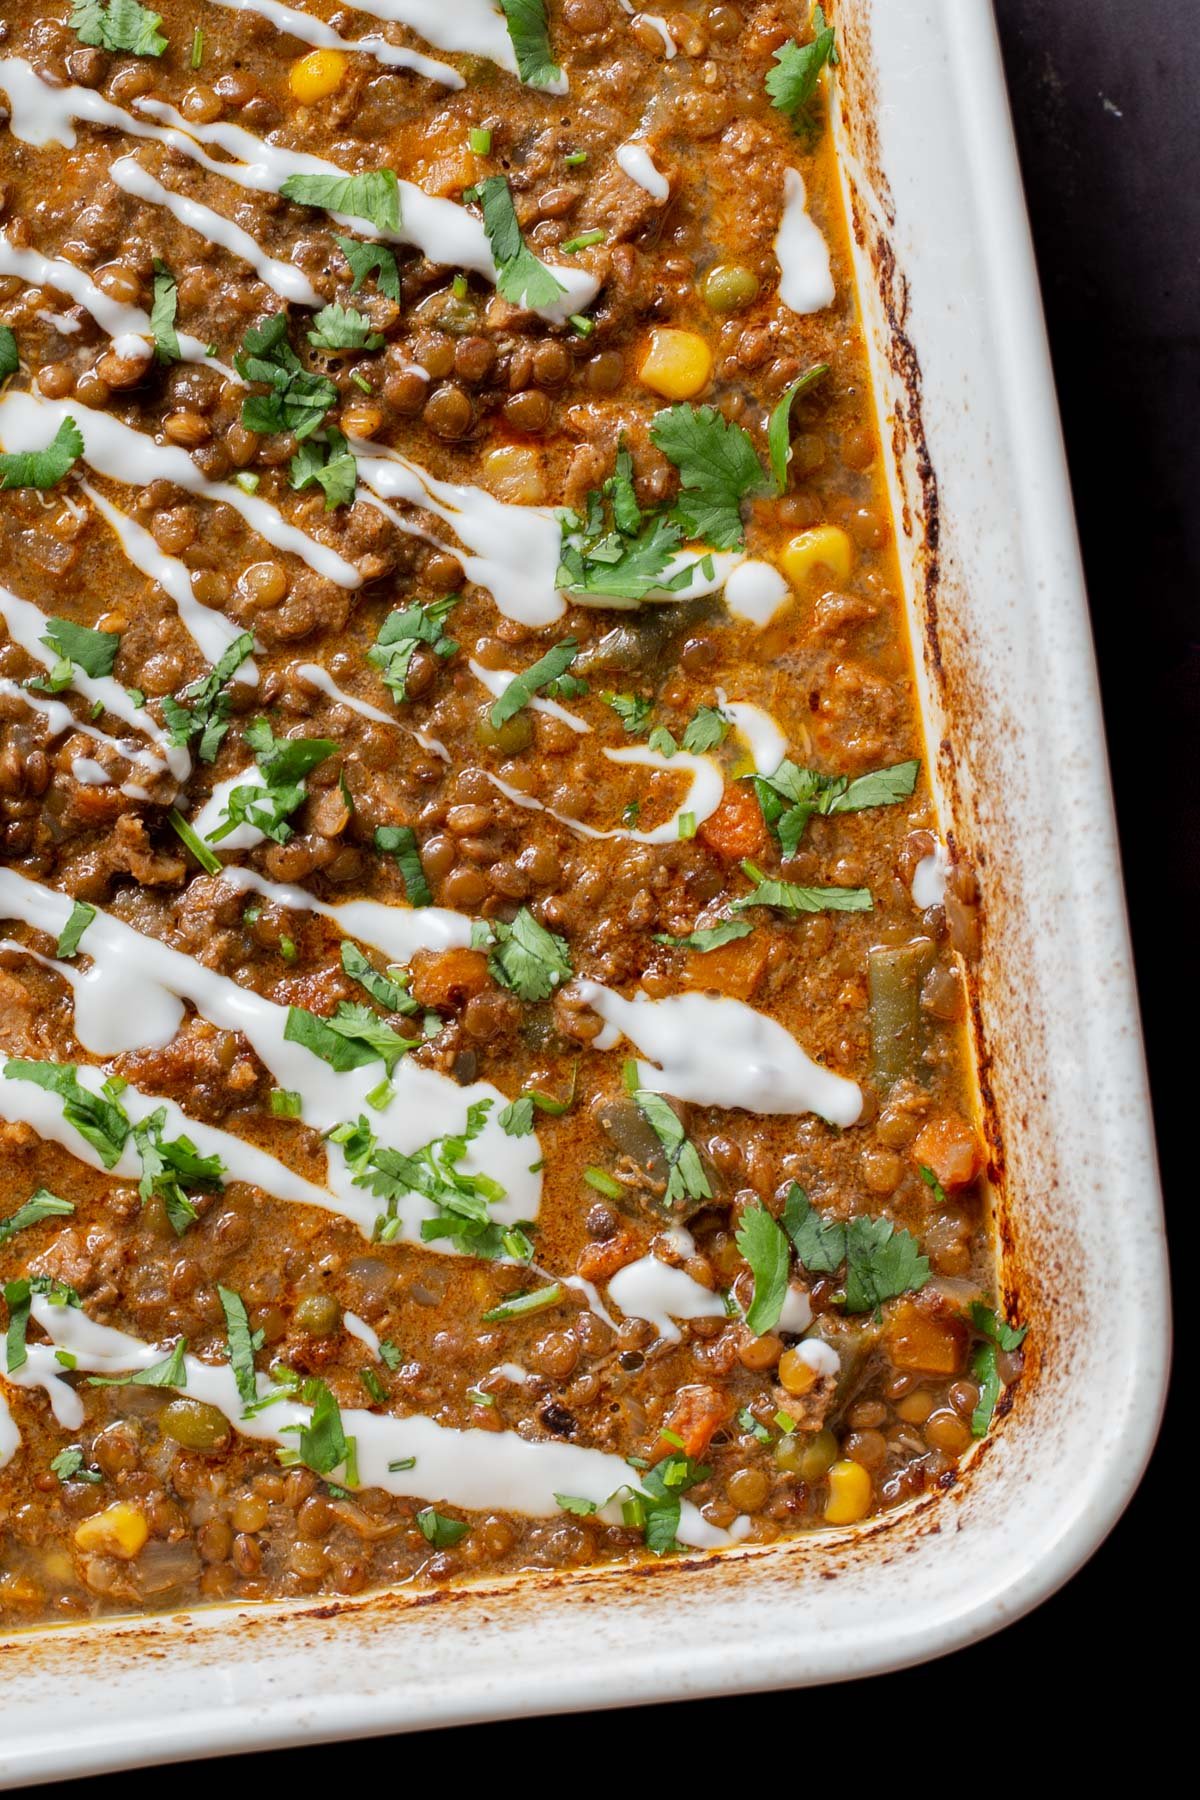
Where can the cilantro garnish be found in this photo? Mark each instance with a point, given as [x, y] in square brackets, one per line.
[322, 1443]
[521, 1306]
[162, 315]
[765, 1248]
[440, 1531]
[819, 1243]
[686, 1179]
[997, 1334]
[718, 468]
[40, 1205]
[171, 1372]
[792, 84]
[77, 647]
[169, 1165]
[374, 196]
[388, 990]
[530, 34]
[96, 1117]
[283, 764]
[68, 938]
[462, 1201]
[43, 468]
[343, 328]
[527, 958]
[10, 357]
[787, 896]
[791, 796]
[297, 400]
[206, 712]
[328, 463]
[881, 1262]
[353, 1037]
[708, 937]
[70, 1465]
[520, 278]
[400, 842]
[119, 25]
[632, 710]
[399, 635]
[240, 1342]
[366, 260]
[779, 426]
[548, 672]
[705, 731]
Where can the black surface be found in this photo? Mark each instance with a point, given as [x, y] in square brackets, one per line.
[1108, 122]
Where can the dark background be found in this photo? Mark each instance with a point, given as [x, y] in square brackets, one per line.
[1106, 97]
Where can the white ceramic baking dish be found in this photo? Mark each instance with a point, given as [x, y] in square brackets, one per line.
[1009, 688]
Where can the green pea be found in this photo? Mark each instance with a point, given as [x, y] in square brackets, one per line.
[194, 1424]
[317, 1314]
[729, 286]
[515, 735]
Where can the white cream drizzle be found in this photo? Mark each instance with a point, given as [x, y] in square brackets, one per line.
[359, 1329]
[653, 1290]
[701, 801]
[715, 1051]
[474, 27]
[634, 160]
[473, 1469]
[497, 680]
[758, 730]
[60, 720]
[130, 997]
[209, 630]
[125, 455]
[805, 277]
[442, 230]
[27, 626]
[929, 878]
[282, 278]
[314, 31]
[212, 814]
[755, 591]
[796, 1312]
[657, 24]
[320, 678]
[399, 931]
[113, 316]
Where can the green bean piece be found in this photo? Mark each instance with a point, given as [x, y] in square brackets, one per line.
[894, 977]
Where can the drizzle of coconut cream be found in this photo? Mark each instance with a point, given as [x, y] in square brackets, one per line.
[443, 231]
[302, 25]
[130, 997]
[412, 1457]
[701, 801]
[634, 160]
[929, 878]
[113, 316]
[715, 1051]
[805, 277]
[653, 1290]
[128, 456]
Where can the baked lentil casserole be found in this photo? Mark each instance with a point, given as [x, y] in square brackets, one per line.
[485, 1080]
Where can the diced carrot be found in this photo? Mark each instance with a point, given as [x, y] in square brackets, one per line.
[950, 1147]
[734, 969]
[736, 829]
[698, 1413]
[448, 976]
[919, 1339]
[599, 1262]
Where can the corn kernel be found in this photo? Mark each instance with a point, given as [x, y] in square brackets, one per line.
[825, 546]
[677, 364]
[315, 76]
[120, 1530]
[513, 472]
[849, 1493]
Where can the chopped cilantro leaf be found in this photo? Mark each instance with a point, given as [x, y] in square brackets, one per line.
[202, 708]
[792, 84]
[708, 937]
[43, 468]
[765, 1248]
[544, 673]
[118, 25]
[366, 260]
[786, 896]
[10, 359]
[374, 196]
[520, 278]
[881, 1263]
[400, 842]
[686, 1179]
[353, 1037]
[718, 468]
[171, 1372]
[40, 1205]
[327, 463]
[527, 958]
[705, 731]
[297, 400]
[162, 315]
[68, 938]
[779, 427]
[399, 635]
[440, 1531]
[530, 34]
[343, 328]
